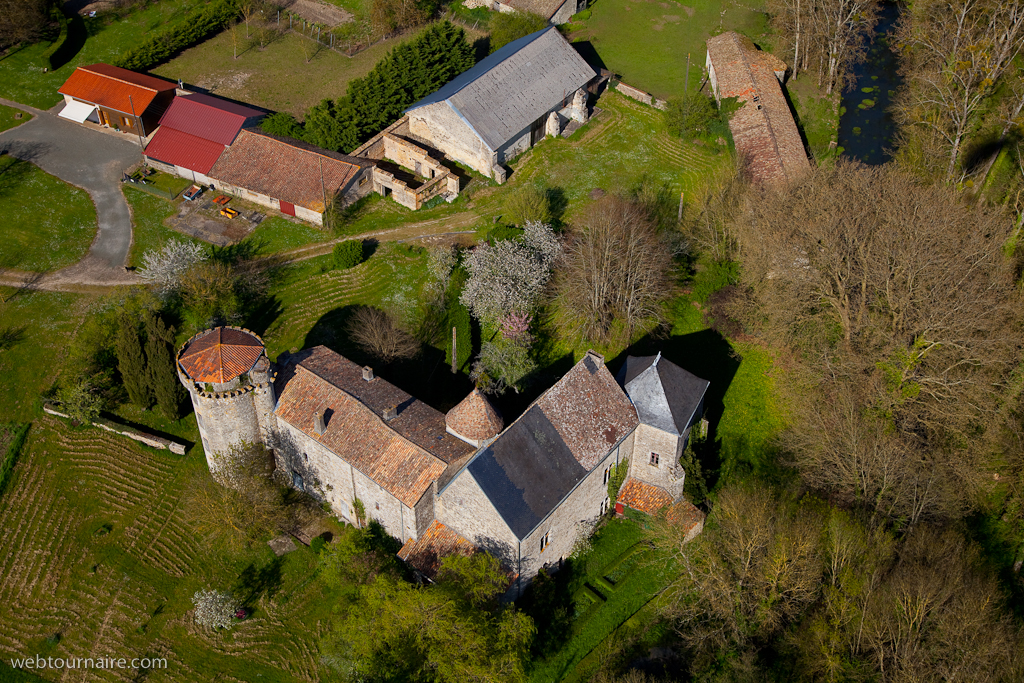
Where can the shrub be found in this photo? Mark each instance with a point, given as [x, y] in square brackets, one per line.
[690, 116]
[348, 254]
[317, 545]
[528, 204]
[214, 609]
[194, 27]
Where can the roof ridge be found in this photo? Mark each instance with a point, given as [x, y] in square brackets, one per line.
[278, 140]
[120, 80]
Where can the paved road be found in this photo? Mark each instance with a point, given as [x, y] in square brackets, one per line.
[92, 160]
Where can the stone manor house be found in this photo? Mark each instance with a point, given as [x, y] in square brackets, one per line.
[460, 481]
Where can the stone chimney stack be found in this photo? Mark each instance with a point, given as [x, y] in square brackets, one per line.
[318, 423]
[367, 373]
[390, 413]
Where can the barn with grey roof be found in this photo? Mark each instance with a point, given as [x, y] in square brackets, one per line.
[502, 106]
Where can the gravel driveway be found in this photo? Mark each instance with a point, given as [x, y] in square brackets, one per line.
[92, 160]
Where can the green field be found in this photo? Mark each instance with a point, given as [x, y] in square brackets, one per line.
[8, 118]
[21, 73]
[646, 41]
[48, 224]
[148, 229]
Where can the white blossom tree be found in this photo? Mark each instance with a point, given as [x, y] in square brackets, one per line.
[508, 276]
[214, 609]
[165, 267]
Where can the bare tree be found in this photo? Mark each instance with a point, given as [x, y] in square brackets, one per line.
[614, 273]
[955, 52]
[166, 268]
[376, 333]
[23, 21]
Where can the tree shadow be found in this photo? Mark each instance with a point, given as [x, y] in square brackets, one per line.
[73, 43]
[708, 355]
[548, 600]
[558, 202]
[11, 336]
[481, 48]
[255, 582]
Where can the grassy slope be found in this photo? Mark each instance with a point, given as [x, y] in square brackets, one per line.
[22, 78]
[128, 592]
[48, 224]
[7, 120]
[667, 31]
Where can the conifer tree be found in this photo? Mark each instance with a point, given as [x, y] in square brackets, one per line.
[167, 389]
[131, 362]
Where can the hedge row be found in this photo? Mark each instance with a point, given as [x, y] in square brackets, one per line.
[194, 27]
[46, 59]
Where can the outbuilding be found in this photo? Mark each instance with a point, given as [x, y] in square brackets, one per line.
[117, 98]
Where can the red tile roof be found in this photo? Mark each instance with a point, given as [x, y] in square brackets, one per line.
[763, 129]
[220, 355]
[110, 87]
[207, 117]
[434, 545]
[181, 149]
[475, 417]
[589, 410]
[688, 518]
[359, 436]
[285, 169]
[643, 497]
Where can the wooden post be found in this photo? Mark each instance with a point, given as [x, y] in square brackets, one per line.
[680, 218]
[454, 352]
[686, 88]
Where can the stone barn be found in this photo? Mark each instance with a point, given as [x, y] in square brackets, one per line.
[193, 133]
[116, 98]
[498, 109]
[555, 11]
[458, 482]
[293, 177]
[763, 129]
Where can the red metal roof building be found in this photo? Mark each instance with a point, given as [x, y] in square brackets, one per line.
[194, 131]
[116, 97]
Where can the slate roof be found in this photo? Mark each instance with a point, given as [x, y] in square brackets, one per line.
[510, 89]
[358, 435]
[530, 468]
[425, 554]
[763, 129]
[475, 417]
[416, 421]
[181, 149]
[220, 355]
[110, 87]
[285, 169]
[206, 117]
[665, 395]
[643, 497]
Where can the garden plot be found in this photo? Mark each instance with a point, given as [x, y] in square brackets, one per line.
[318, 12]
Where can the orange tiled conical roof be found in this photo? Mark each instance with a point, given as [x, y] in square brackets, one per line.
[220, 355]
[475, 418]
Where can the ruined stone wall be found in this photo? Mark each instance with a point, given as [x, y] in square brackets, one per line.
[412, 157]
[564, 13]
[447, 132]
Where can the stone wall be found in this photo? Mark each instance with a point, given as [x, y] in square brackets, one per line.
[134, 434]
[447, 132]
[668, 473]
[463, 507]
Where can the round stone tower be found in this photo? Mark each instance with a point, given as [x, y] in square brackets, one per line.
[231, 381]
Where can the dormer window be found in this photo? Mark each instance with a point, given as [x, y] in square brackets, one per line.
[655, 458]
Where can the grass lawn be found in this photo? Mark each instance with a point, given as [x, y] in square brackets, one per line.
[816, 115]
[9, 117]
[277, 77]
[149, 231]
[21, 73]
[40, 324]
[95, 527]
[667, 30]
[48, 224]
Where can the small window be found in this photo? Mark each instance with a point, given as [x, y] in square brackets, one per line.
[305, 457]
[200, 419]
[655, 458]
[544, 540]
[607, 473]
[378, 505]
[297, 480]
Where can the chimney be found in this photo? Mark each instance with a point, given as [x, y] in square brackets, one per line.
[367, 373]
[390, 413]
[318, 425]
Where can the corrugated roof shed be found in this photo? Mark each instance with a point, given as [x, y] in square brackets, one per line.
[181, 149]
[207, 117]
[358, 435]
[285, 169]
[111, 86]
[509, 90]
[763, 129]
[530, 468]
[220, 355]
[437, 543]
[665, 395]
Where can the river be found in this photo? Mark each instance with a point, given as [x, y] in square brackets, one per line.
[866, 127]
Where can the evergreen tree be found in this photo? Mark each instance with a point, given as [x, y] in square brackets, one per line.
[131, 362]
[160, 356]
